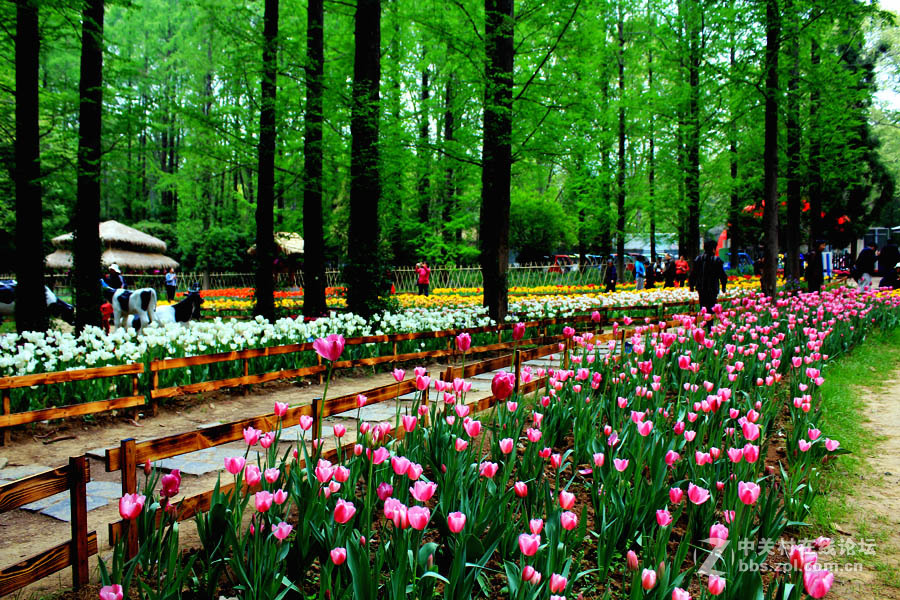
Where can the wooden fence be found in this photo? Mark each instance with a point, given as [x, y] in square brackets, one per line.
[152, 371]
[75, 553]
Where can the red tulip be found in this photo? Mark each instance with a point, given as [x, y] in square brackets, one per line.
[170, 484]
[344, 511]
[463, 342]
[521, 489]
[518, 331]
[502, 385]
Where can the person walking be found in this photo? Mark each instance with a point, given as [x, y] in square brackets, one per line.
[610, 277]
[682, 268]
[708, 275]
[815, 276]
[669, 272]
[640, 272]
[865, 266]
[171, 284]
[424, 273]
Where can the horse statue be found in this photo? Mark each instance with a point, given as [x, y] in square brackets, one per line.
[55, 307]
[182, 312]
[134, 308]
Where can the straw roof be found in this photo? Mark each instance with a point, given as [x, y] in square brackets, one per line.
[288, 243]
[115, 235]
[126, 259]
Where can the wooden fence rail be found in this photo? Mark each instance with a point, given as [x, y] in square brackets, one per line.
[135, 370]
[75, 553]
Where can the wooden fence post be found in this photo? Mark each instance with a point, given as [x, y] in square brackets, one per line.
[5, 438]
[517, 368]
[319, 362]
[317, 426]
[79, 475]
[128, 454]
[154, 385]
[566, 354]
[245, 387]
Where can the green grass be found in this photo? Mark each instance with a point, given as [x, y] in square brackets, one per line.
[847, 382]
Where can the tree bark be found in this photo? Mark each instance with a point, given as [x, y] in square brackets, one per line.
[423, 154]
[692, 141]
[770, 153]
[265, 200]
[496, 155]
[792, 124]
[314, 237]
[814, 170]
[734, 230]
[620, 170]
[31, 307]
[365, 279]
[87, 214]
[651, 166]
[450, 171]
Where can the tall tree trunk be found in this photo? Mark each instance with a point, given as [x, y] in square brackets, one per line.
[314, 238]
[792, 124]
[605, 220]
[770, 153]
[265, 202]
[734, 230]
[651, 166]
[692, 141]
[31, 308]
[620, 171]
[87, 213]
[365, 279]
[814, 170]
[424, 156]
[449, 204]
[496, 155]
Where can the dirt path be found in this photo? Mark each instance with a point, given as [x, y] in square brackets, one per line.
[874, 516]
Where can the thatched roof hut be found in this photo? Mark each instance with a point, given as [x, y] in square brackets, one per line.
[126, 246]
[287, 243]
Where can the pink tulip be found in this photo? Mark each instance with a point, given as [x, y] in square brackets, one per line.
[697, 495]
[599, 459]
[380, 455]
[488, 469]
[535, 526]
[801, 558]
[718, 535]
[251, 436]
[751, 453]
[463, 342]
[282, 530]
[461, 444]
[338, 556]
[750, 430]
[506, 445]
[621, 464]
[680, 594]
[534, 435]
[384, 491]
[502, 385]
[735, 455]
[518, 331]
[263, 501]
[648, 579]
[409, 422]
[676, 495]
[631, 560]
[558, 583]
[529, 544]
[267, 440]
[817, 582]
[281, 409]
[456, 521]
[234, 464]
[473, 428]
[645, 427]
[344, 511]
[803, 445]
[414, 471]
[361, 400]
[306, 422]
[716, 585]
[339, 431]
[169, 484]
[400, 464]
[671, 457]
[418, 517]
[566, 499]
[130, 506]
[423, 491]
[252, 476]
[422, 382]
[331, 347]
[831, 445]
[111, 592]
[568, 520]
[663, 517]
[748, 492]
[521, 489]
[280, 497]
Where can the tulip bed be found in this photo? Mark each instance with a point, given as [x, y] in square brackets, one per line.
[617, 478]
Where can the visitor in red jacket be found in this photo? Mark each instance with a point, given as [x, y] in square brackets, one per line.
[424, 277]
